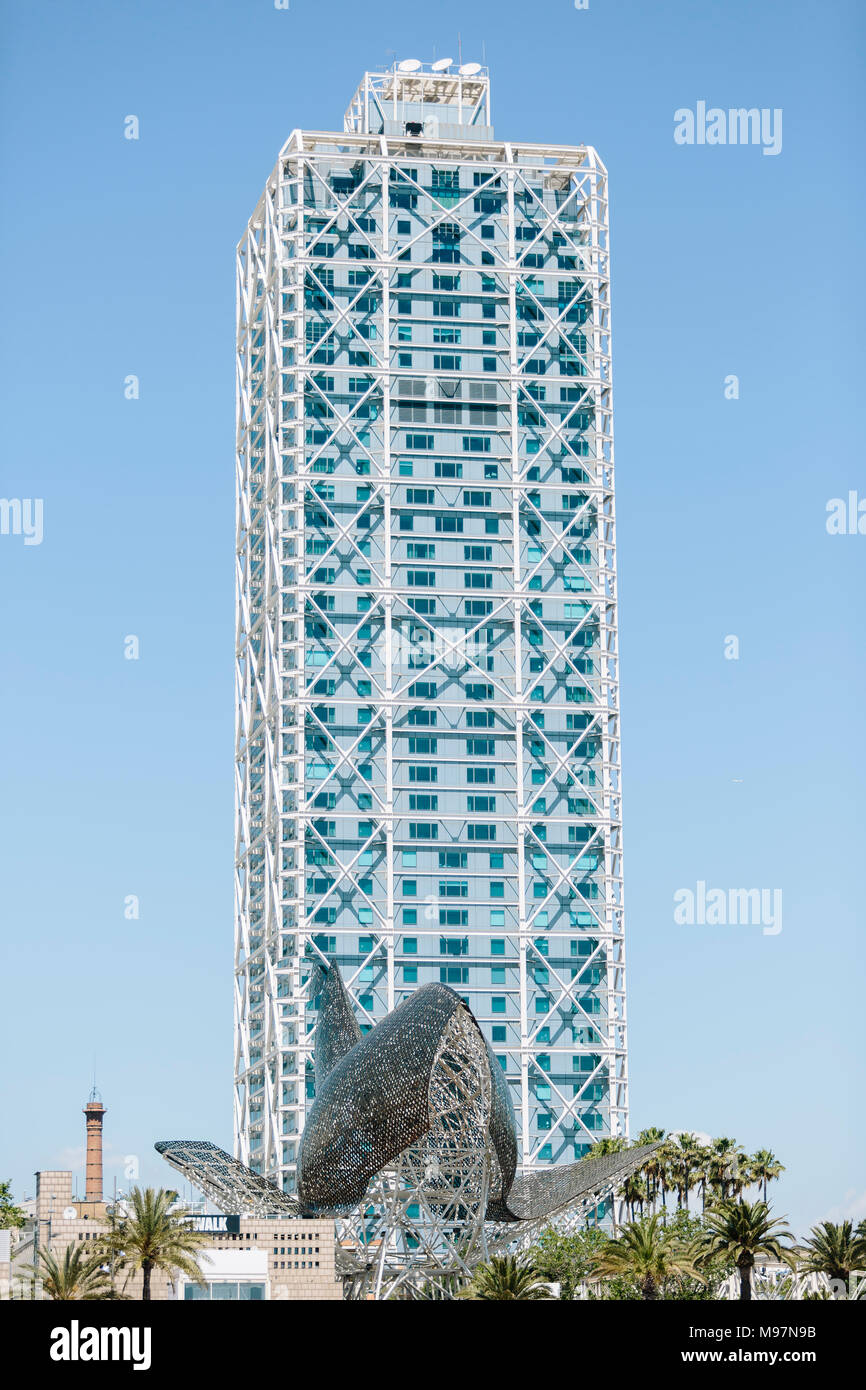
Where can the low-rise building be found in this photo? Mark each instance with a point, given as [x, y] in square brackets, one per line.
[252, 1258]
[247, 1258]
[277, 1258]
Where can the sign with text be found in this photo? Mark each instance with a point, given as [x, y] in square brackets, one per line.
[216, 1225]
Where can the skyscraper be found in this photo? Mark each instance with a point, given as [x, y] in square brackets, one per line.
[428, 782]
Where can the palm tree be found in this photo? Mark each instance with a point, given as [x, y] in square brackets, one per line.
[685, 1154]
[724, 1166]
[505, 1276]
[647, 1253]
[611, 1144]
[836, 1251]
[154, 1236]
[703, 1159]
[634, 1193]
[764, 1167]
[653, 1135]
[652, 1169]
[667, 1173]
[743, 1230]
[76, 1276]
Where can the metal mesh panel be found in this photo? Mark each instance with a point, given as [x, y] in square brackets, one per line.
[374, 1102]
[412, 1140]
[229, 1184]
[537, 1196]
[503, 1133]
[337, 1029]
[376, 1098]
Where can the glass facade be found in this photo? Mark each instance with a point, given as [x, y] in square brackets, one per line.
[427, 684]
[222, 1290]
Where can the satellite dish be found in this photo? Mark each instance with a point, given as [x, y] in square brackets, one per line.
[409, 65]
[442, 64]
[470, 69]
[69, 1213]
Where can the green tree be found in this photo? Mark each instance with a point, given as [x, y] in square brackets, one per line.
[567, 1260]
[634, 1193]
[154, 1236]
[690, 1232]
[743, 1230]
[667, 1174]
[650, 1255]
[10, 1215]
[684, 1158]
[702, 1171]
[653, 1167]
[503, 1277]
[611, 1144]
[764, 1167]
[653, 1135]
[834, 1250]
[723, 1166]
[77, 1276]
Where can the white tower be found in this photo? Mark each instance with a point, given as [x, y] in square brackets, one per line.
[428, 780]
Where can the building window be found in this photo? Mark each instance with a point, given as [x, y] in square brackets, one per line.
[223, 1290]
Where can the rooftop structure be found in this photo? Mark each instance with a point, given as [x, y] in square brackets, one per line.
[432, 102]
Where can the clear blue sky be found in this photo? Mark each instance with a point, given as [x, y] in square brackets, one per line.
[117, 775]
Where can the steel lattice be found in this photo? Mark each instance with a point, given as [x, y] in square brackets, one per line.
[411, 1145]
[325, 409]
